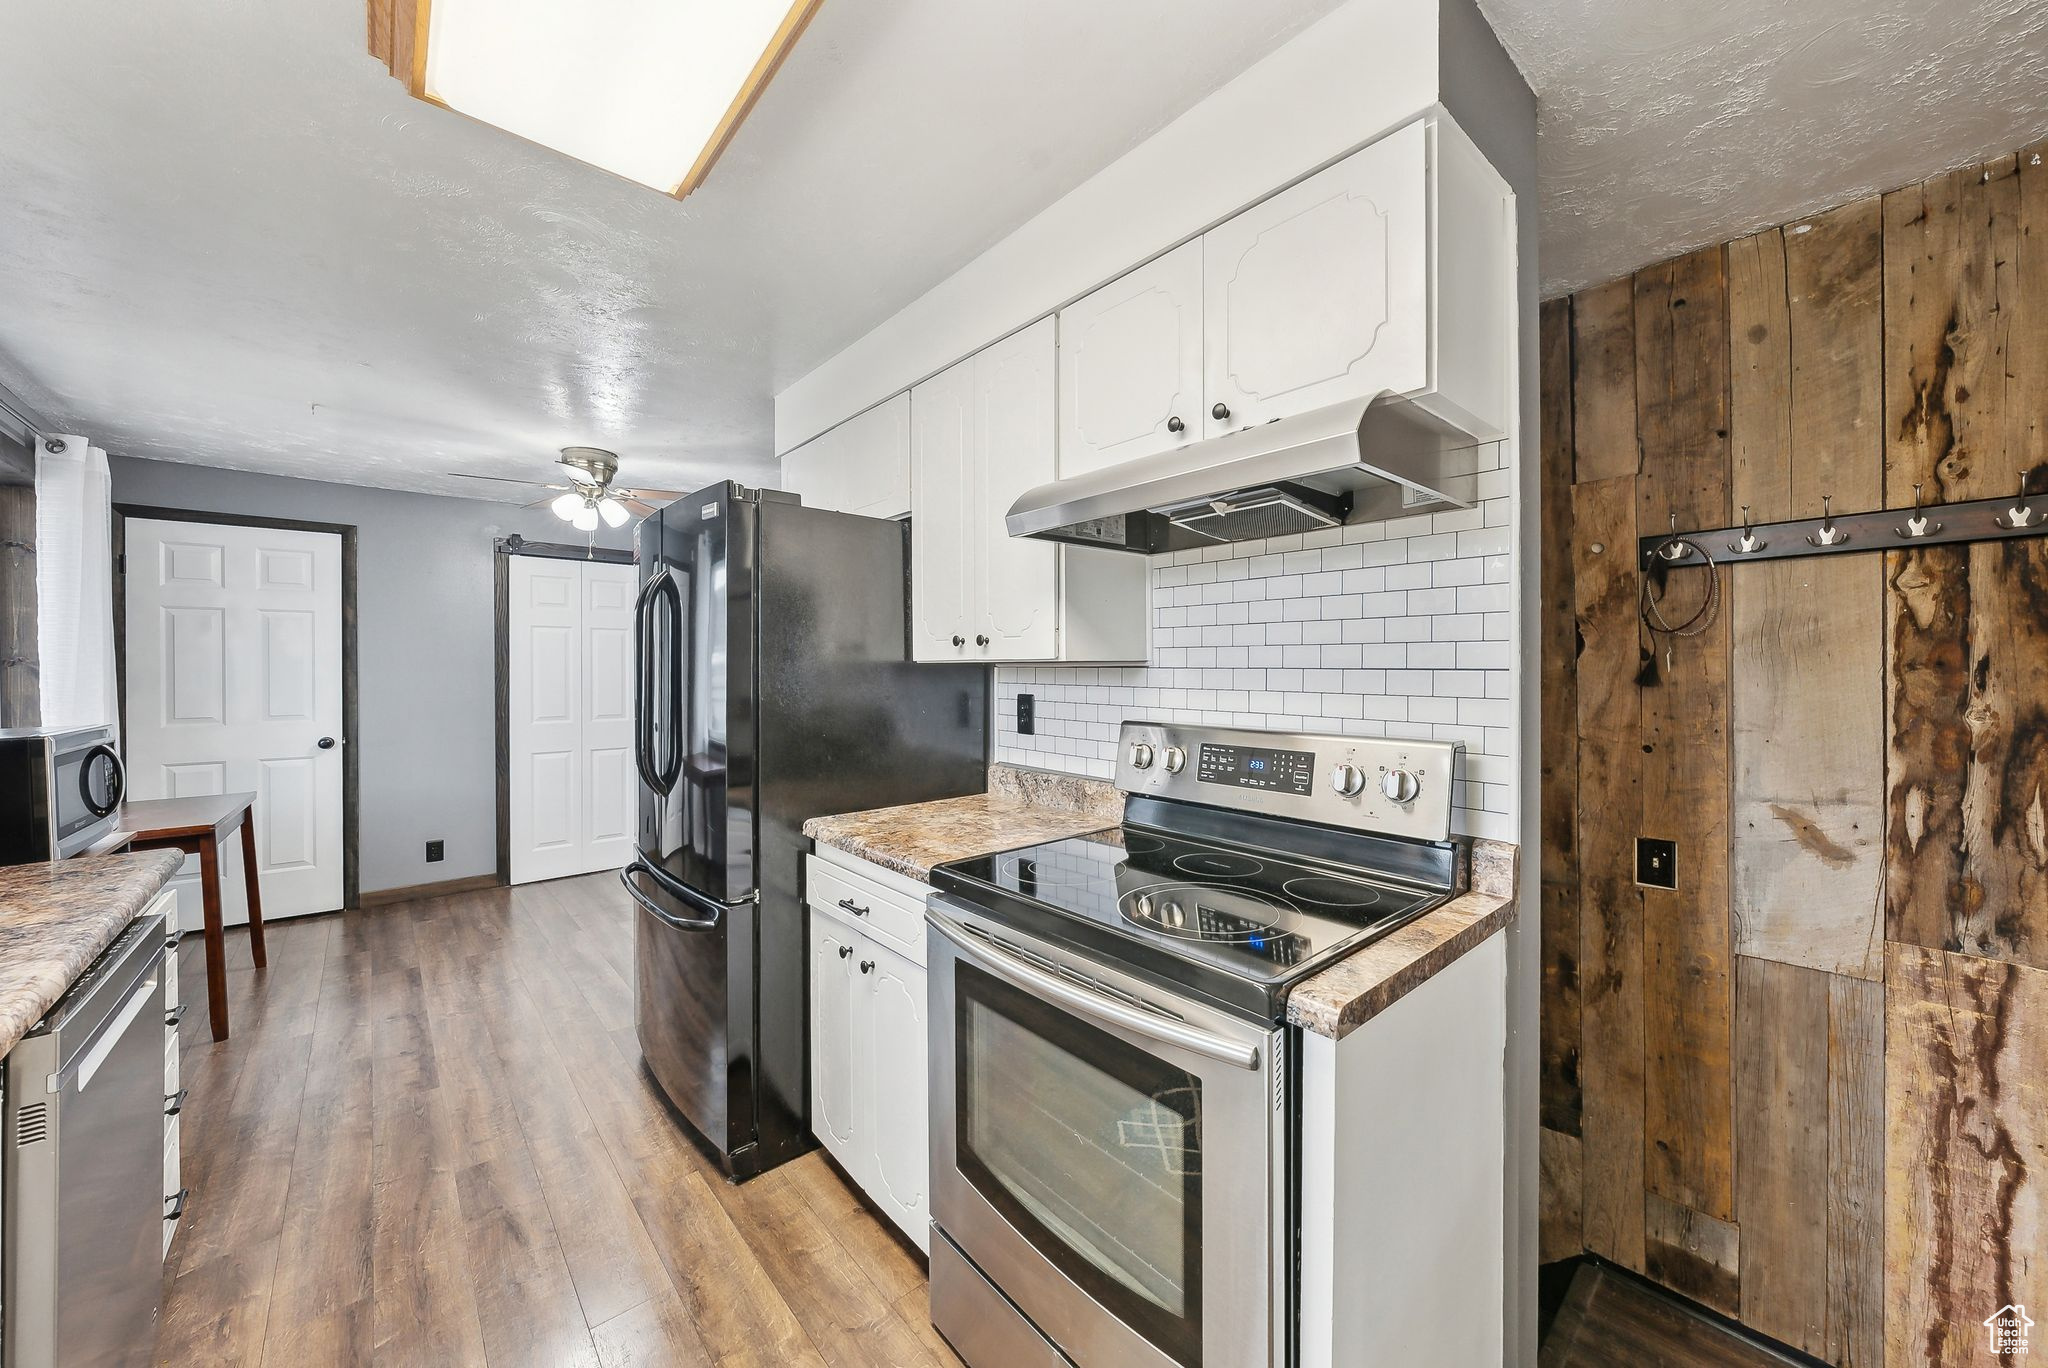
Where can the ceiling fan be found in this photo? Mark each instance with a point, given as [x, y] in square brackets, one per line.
[589, 495]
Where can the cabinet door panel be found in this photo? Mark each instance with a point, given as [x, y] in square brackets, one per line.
[862, 466]
[901, 1111]
[1131, 363]
[1320, 294]
[834, 1085]
[944, 514]
[1016, 580]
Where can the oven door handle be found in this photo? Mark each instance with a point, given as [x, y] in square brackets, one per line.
[1031, 979]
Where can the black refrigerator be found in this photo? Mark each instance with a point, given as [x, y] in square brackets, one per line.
[774, 684]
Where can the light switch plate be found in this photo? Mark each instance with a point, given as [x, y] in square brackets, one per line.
[1656, 863]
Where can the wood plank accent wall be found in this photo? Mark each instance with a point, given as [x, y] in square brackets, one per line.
[1808, 1087]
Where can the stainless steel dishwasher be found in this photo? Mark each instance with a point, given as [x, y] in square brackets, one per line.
[84, 1159]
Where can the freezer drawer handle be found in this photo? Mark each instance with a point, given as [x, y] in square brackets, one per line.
[853, 907]
[175, 1102]
[1073, 995]
[662, 914]
[176, 1202]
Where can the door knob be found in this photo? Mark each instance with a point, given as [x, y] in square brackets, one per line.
[1175, 425]
[1221, 410]
[326, 743]
[959, 640]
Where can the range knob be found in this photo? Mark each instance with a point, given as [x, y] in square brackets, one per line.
[1401, 785]
[1176, 759]
[1141, 755]
[1348, 781]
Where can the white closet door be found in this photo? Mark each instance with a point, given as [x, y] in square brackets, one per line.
[570, 687]
[234, 682]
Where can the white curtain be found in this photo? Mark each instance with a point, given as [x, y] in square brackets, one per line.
[75, 583]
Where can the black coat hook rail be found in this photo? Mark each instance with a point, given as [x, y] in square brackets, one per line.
[1887, 529]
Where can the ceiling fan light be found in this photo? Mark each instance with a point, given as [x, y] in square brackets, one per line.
[585, 519]
[614, 512]
[567, 506]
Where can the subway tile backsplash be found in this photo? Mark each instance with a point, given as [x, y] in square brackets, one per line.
[1402, 628]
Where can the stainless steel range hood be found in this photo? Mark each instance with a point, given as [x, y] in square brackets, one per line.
[1355, 462]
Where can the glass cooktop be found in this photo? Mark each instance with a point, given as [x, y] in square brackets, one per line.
[1252, 915]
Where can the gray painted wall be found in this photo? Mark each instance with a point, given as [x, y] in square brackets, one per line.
[427, 741]
[1491, 101]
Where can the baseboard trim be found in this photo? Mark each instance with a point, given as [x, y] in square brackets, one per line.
[384, 897]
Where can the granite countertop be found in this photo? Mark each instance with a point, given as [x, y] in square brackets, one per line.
[1021, 807]
[1360, 986]
[56, 917]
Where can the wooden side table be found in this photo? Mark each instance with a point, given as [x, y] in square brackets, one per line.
[197, 826]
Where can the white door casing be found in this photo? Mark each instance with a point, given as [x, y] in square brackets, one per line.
[570, 696]
[1131, 364]
[233, 678]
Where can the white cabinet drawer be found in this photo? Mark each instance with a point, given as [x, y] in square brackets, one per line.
[892, 917]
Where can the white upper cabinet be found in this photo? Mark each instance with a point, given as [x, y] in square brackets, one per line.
[1131, 365]
[862, 466]
[1017, 579]
[981, 434]
[944, 507]
[1335, 288]
[1319, 294]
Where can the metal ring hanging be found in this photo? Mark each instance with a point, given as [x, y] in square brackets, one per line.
[1652, 612]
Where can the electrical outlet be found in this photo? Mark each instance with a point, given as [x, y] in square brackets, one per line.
[1656, 863]
[435, 853]
[1027, 715]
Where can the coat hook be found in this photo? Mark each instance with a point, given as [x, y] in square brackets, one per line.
[2020, 514]
[1917, 525]
[1748, 542]
[1829, 534]
[1674, 550]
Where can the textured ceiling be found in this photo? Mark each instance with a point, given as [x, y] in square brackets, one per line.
[228, 236]
[1671, 124]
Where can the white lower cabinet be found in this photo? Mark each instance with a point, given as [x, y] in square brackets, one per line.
[869, 1092]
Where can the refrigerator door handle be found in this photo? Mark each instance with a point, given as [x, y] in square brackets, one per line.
[671, 768]
[643, 674]
[715, 912]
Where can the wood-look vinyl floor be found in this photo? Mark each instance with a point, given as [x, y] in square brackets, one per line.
[429, 1141]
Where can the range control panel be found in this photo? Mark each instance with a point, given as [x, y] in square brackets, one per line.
[1392, 787]
[1257, 767]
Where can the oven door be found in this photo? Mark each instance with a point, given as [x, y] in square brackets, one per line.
[1110, 1156]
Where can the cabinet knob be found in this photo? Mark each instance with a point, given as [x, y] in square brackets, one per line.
[1222, 410]
[981, 641]
[845, 951]
[1174, 424]
[867, 966]
[959, 640]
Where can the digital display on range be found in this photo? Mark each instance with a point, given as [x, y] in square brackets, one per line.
[1256, 767]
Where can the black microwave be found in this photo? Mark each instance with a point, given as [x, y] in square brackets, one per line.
[60, 792]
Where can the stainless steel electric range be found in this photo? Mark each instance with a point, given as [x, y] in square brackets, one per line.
[1112, 1110]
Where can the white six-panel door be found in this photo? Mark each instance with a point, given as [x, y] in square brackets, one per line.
[570, 687]
[234, 678]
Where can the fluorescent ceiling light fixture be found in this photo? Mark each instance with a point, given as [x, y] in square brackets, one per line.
[652, 90]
